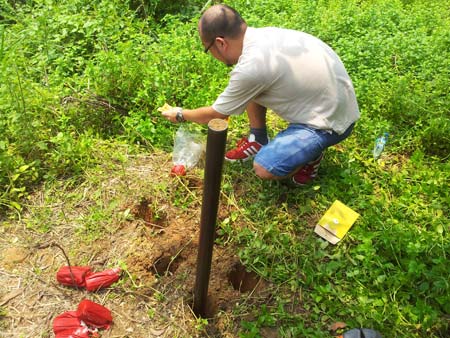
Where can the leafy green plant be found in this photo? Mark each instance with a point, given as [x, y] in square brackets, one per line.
[80, 72]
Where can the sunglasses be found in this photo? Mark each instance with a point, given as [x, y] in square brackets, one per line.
[212, 43]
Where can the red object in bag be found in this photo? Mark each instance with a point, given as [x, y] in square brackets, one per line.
[93, 314]
[66, 321]
[178, 170]
[76, 278]
[68, 325]
[98, 280]
[81, 332]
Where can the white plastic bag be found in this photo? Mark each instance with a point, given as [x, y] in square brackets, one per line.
[188, 148]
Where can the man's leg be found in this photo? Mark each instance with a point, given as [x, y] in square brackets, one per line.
[296, 147]
[257, 118]
[261, 172]
[249, 146]
[256, 115]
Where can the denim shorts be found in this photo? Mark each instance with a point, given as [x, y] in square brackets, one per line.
[295, 146]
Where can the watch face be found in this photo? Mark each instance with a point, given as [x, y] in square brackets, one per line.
[180, 117]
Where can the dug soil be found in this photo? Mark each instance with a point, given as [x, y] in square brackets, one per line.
[124, 218]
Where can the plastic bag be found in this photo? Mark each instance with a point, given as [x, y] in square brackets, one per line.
[187, 150]
[82, 276]
[94, 314]
[84, 322]
[66, 321]
[73, 275]
[81, 332]
[98, 280]
[68, 325]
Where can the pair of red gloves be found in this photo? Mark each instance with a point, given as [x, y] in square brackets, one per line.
[89, 316]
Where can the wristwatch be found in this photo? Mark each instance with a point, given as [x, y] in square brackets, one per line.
[179, 117]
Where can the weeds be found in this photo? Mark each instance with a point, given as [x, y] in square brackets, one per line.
[79, 73]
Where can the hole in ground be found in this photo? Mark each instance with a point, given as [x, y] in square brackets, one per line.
[166, 263]
[210, 309]
[243, 280]
[147, 212]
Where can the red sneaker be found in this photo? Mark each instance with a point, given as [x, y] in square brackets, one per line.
[308, 172]
[246, 149]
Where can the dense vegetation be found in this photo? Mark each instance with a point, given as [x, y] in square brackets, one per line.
[79, 71]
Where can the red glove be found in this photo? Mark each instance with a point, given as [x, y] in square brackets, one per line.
[93, 314]
[98, 280]
[76, 278]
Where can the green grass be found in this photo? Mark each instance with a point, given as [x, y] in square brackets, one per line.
[389, 273]
[81, 71]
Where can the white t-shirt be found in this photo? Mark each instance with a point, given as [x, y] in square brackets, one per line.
[294, 74]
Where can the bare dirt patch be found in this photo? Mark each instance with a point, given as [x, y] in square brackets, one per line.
[127, 218]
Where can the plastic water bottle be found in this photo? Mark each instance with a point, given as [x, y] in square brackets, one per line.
[360, 333]
[380, 142]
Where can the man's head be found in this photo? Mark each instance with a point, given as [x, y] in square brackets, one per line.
[222, 30]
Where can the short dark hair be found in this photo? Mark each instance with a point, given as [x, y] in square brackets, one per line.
[221, 20]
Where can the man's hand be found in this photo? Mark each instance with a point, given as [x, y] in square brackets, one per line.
[169, 112]
[200, 115]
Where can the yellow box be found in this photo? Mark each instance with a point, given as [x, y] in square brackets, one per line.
[336, 222]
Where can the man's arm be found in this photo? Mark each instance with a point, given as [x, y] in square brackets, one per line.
[200, 115]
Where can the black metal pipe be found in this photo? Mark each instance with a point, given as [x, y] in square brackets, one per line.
[215, 151]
